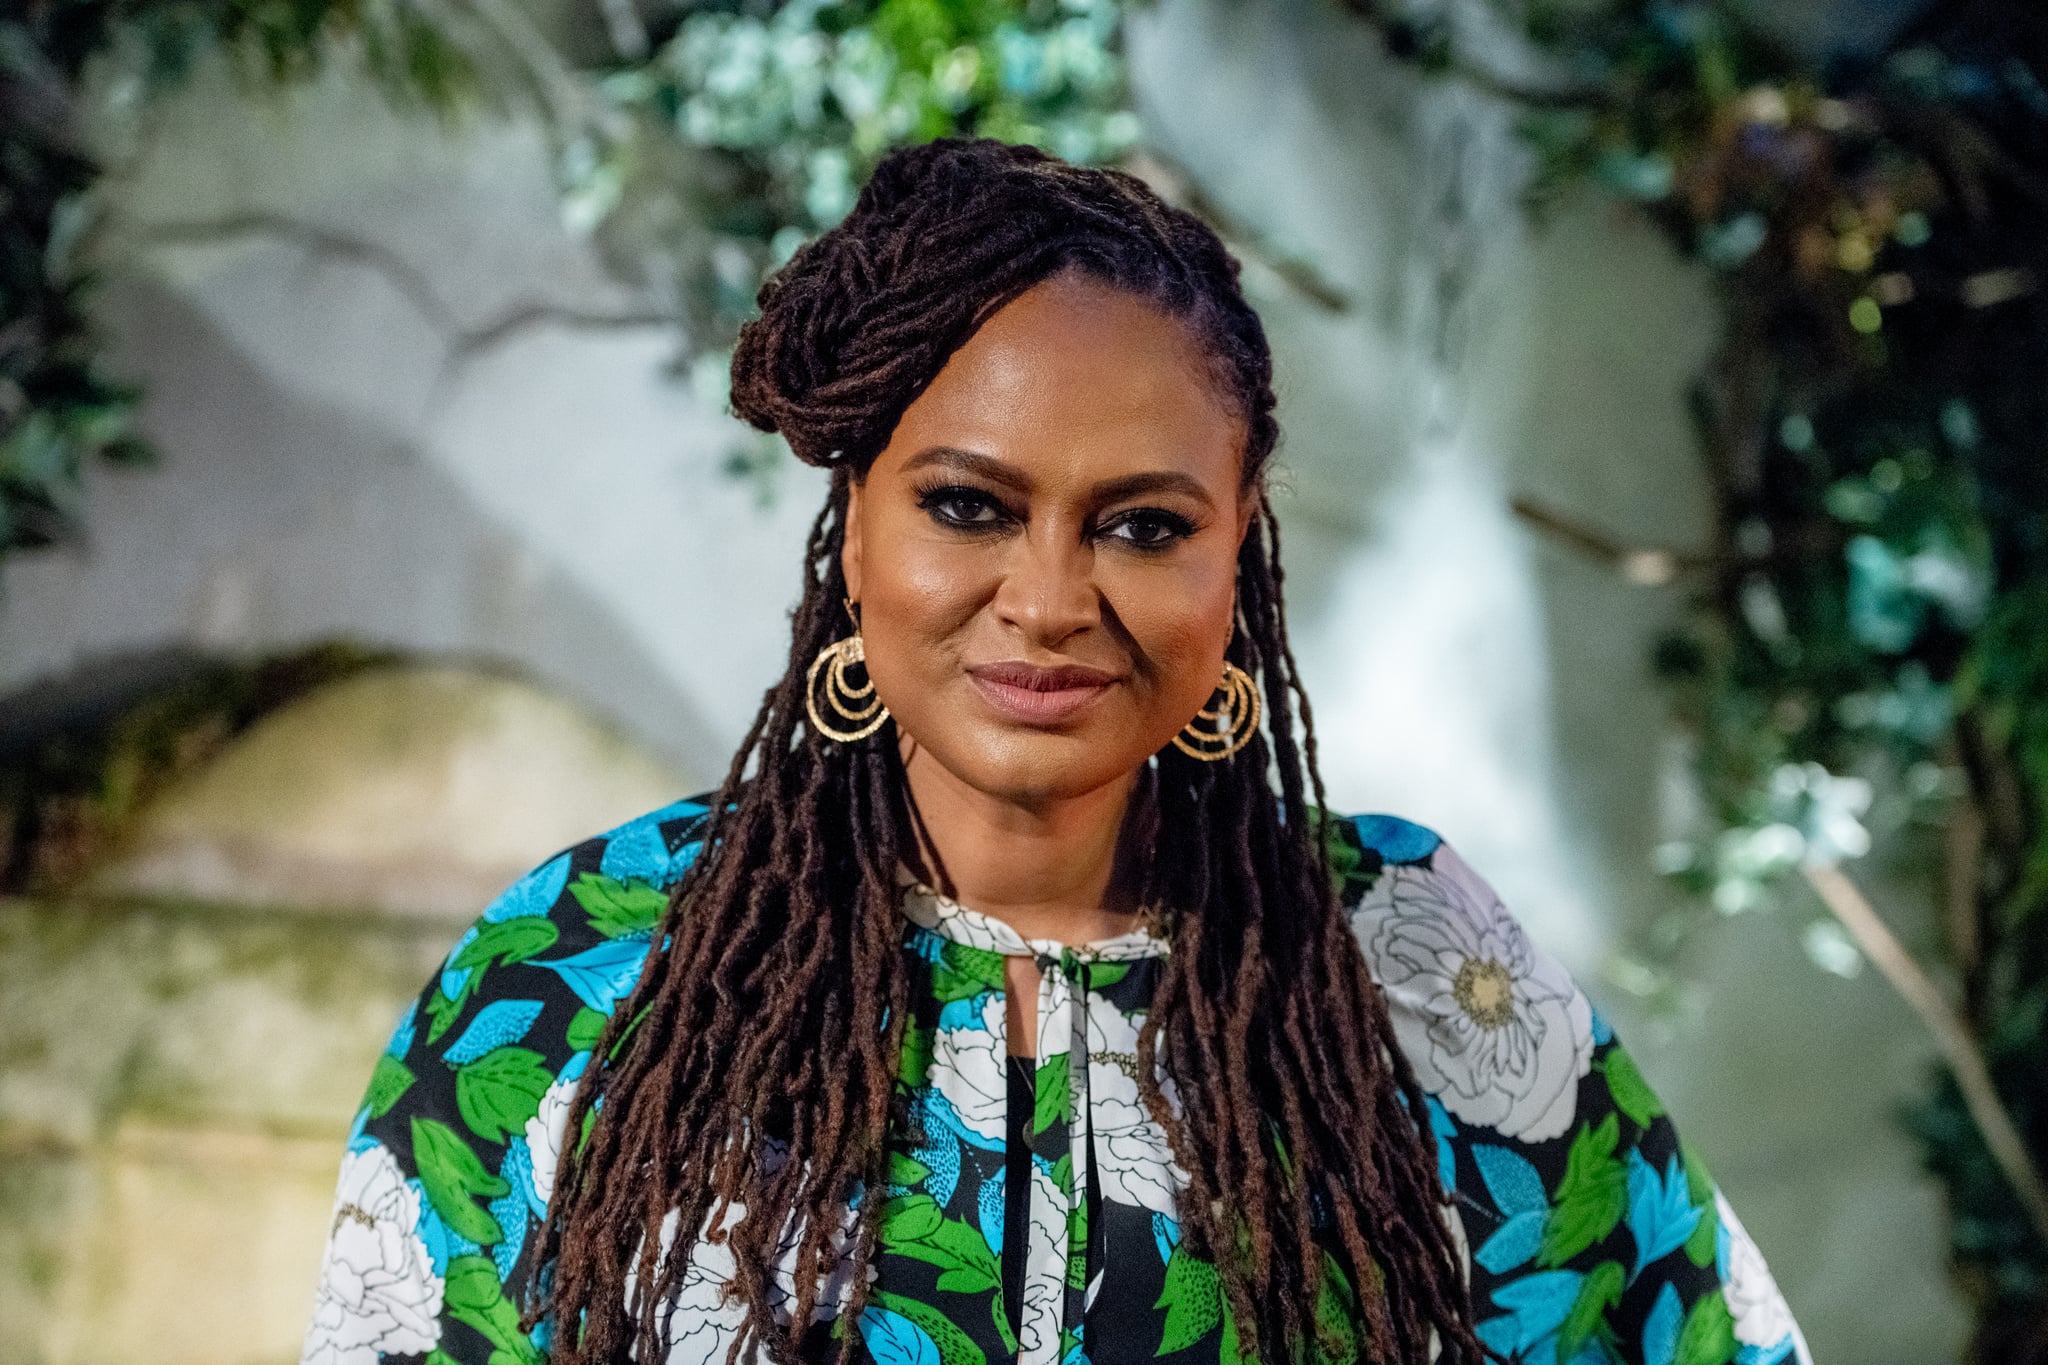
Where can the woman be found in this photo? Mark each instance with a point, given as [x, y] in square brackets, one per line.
[1280, 1085]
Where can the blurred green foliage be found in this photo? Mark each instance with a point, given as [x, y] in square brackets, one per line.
[81, 756]
[783, 111]
[798, 103]
[1865, 667]
[60, 408]
[700, 150]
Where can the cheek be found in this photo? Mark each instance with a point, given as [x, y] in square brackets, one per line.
[917, 600]
[1181, 631]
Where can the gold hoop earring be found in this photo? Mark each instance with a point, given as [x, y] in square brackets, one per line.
[859, 705]
[1220, 730]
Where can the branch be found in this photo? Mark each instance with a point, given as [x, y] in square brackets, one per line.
[1646, 565]
[465, 343]
[1849, 905]
[1174, 184]
[1404, 41]
[410, 281]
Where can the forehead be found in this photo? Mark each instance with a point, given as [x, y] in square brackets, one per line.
[1076, 372]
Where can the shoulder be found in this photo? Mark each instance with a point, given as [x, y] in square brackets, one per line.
[451, 1161]
[549, 957]
[604, 888]
[1388, 864]
[1490, 1021]
[584, 914]
[1583, 1213]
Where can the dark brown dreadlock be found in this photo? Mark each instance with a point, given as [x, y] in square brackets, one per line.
[778, 1004]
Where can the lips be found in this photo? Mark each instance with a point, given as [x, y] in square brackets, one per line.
[1035, 695]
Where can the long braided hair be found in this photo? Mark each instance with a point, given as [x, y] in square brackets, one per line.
[776, 1007]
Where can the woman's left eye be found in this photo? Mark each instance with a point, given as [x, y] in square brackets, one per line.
[1150, 528]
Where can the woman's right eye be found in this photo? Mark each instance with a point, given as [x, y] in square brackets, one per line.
[962, 507]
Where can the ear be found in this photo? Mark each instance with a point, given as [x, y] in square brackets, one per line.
[849, 545]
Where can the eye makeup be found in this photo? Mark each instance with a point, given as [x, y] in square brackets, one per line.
[959, 507]
[964, 507]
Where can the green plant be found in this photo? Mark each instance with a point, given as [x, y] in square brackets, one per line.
[1865, 667]
[702, 149]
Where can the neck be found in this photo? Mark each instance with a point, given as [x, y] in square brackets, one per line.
[1057, 869]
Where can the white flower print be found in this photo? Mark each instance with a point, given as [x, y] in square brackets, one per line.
[1762, 1317]
[701, 1316]
[1134, 1159]
[702, 1322]
[1494, 1026]
[967, 1067]
[1045, 1275]
[378, 1291]
[1463, 1248]
[544, 1133]
[950, 919]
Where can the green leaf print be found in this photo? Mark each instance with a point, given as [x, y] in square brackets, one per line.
[1699, 1186]
[1103, 975]
[955, 1346]
[474, 1295]
[962, 972]
[617, 908]
[1345, 856]
[1700, 1248]
[1336, 1309]
[1077, 1245]
[906, 1170]
[1708, 1337]
[999, 1313]
[1192, 1298]
[1590, 1199]
[914, 1063]
[1632, 1094]
[512, 940]
[585, 1026]
[1230, 1350]
[443, 1010]
[915, 1226]
[499, 1091]
[968, 1267]
[1598, 1292]
[1055, 1102]
[453, 1177]
[583, 1133]
[388, 1082]
[910, 1218]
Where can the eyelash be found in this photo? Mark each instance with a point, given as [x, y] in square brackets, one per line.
[934, 498]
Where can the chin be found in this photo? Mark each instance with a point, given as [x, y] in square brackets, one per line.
[1029, 767]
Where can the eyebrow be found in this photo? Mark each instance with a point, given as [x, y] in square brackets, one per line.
[1110, 490]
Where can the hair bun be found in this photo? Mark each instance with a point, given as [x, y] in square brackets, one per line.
[860, 319]
[788, 363]
[952, 165]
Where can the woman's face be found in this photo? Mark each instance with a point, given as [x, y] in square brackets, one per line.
[1045, 554]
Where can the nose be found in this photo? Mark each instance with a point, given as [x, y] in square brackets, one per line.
[1048, 593]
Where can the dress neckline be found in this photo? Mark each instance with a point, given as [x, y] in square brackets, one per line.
[948, 918]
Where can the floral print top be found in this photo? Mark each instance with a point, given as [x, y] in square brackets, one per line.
[1591, 1233]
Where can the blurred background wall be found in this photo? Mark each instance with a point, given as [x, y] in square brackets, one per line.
[401, 405]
